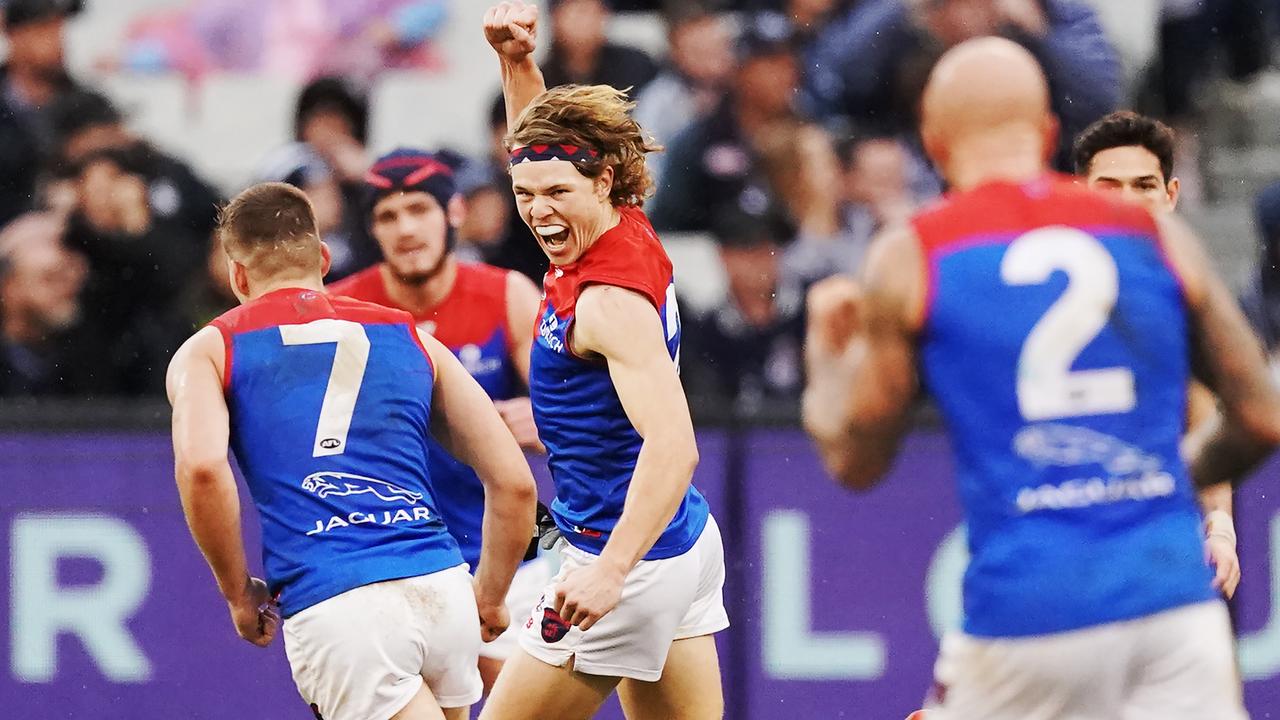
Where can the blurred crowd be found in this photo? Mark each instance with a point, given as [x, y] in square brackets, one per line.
[789, 128]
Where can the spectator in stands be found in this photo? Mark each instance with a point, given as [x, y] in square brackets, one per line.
[749, 349]
[46, 346]
[208, 296]
[288, 38]
[299, 165]
[869, 67]
[692, 81]
[140, 257]
[581, 54]
[878, 183]
[32, 77]
[1261, 298]
[717, 162]
[84, 122]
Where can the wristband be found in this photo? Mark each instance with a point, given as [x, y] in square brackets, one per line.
[1218, 523]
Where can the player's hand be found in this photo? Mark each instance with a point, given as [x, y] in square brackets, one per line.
[834, 317]
[517, 413]
[254, 613]
[512, 29]
[494, 617]
[589, 593]
[1225, 563]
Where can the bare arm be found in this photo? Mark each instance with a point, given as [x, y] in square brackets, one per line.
[1228, 359]
[523, 300]
[466, 423]
[522, 311]
[210, 499]
[622, 327]
[512, 29]
[861, 359]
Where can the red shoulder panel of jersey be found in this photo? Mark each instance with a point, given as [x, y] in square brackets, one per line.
[292, 306]
[365, 285]
[1008, 209]
[474, 309]
[629, 255]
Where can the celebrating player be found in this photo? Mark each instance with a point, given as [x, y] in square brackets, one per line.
[483, 314]
[640, 590]
[328, 403]
[1132, 155]
[1055, 328]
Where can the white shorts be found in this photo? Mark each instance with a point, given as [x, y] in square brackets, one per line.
[526, 587]
[364, 654]
[662, 601]
[1174, 665]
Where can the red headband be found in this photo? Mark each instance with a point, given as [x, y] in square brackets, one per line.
[535, 153]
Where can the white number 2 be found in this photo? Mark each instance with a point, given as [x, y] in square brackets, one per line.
[1047, 387]
[344, 379]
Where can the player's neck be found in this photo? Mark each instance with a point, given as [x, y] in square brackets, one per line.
[996, 158]
[420, 298]
[287, 283]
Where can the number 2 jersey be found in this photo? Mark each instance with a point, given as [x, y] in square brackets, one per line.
[591, 444]
[1055, 343]
[330, 405]
[472, 322]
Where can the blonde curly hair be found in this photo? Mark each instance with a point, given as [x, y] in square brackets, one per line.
[596, 117]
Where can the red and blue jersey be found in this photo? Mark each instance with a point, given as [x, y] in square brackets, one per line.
[591, 443]
[330, 408]
[1056, 345]
[472, 322]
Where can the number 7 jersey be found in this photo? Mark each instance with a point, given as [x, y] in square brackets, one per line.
[330, 406]
[1055, 343]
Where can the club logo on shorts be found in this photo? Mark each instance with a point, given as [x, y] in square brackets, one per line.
[554, 628]
[337, 484]
[315, 710]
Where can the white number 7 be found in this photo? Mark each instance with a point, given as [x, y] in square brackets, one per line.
[344, 379]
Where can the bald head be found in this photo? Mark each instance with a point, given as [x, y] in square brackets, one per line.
[985, 88]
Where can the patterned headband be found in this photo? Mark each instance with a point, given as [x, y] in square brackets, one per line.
[535, 153]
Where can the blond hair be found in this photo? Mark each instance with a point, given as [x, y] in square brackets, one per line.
[270, 228]
[596, 117]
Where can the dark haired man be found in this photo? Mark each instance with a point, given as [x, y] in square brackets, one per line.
[1130, 154]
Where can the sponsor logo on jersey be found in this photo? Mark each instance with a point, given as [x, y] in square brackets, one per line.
[547, 331]
[328, 484]
[554, 628]
[386, 517]
[476, 364]
[1111, 470]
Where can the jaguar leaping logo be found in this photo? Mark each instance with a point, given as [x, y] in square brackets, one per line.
[337, 484]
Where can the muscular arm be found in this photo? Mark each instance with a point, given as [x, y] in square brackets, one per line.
[206, 485]
[1228, 359]
[464, 421]
[523, 300]
[861, 360]
[512, 29]
[624, 328]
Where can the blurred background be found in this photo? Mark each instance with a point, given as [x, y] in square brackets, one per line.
[791, 139]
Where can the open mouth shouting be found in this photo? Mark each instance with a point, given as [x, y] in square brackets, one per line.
[554, 236]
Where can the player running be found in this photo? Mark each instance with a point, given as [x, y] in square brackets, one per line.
[1132, 155]
[484, 315]
[327, 403]
[640, 590]
[1055, 328]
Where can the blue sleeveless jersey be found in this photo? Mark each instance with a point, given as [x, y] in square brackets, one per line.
[591, 443]
[472, 322]
[1056, 346]
[330, 402]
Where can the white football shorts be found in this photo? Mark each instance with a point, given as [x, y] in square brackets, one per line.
[1174, 665]
[530, 580]
[365, 653]
[662, 601]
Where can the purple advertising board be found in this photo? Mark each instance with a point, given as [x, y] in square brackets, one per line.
[837, 599]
